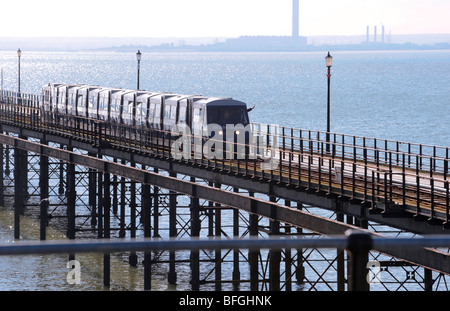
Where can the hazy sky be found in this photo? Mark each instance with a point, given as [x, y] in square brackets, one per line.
[214, 18]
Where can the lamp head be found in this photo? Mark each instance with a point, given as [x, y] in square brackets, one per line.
[138, 55]
[329, 60]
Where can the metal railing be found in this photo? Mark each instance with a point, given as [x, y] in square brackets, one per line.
[358, 243]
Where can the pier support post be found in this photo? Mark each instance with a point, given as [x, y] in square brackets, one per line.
[210, 214]
[71, 200]
[43, 185]
[18, 190]
[359, 245]
[274, 255]
[172, 276]
[93, 193]
[253, 254]
[115, 198]
[2, 192]
[156, 209]
[218, 252]
[122, 205]
[24, 165]
[7, 160]
[300, 271]
[428, 280]
[236, 271]
[146, 221]
[133, 255]
[61, 175]
[288, 256]
[340, 261]
[195, 232]
[107, 233]
[100, 204]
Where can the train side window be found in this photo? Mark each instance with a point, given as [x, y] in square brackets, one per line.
[151, 112]
[81, 105]
[91, 102]
[198, 115]
[62, 98]
[117, 105]
[124, 109]
[158, 111]
[141, 111]
[113, 105]
[130, 109]
[182, 117]
[197, 121]
[173, 112]
[167, 112]
[71, 102]
[213, 115]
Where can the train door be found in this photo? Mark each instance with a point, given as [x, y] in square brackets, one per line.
[128, 108]
[61, 94]
[183, 112]
[197, 120]
[72, 99]
[92, 107]
[46, 99]
[171, 112]
[103, 105]
[115, 106]
[82, 101]
[157, 101]
[46, 108]
[141, 110]
[151, 114]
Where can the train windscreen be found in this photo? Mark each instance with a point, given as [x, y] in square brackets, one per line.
[227, 115]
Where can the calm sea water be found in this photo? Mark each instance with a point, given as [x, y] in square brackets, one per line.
[399, 95]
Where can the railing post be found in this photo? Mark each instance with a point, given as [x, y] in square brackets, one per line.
[447, 203]
[359, 245]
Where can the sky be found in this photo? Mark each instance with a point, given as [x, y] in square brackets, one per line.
[214, 18]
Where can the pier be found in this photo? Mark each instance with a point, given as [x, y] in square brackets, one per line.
[101, 180]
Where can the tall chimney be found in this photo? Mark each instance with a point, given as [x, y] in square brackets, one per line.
[367, 36]
[382, 33]
[295, 18]
[375, 34]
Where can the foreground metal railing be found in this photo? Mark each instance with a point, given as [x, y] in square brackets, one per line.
[382, 173]
[358, 243]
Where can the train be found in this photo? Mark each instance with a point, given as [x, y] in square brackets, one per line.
[156, 111]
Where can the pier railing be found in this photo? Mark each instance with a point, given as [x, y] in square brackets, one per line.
[358, 243]
[383, 174]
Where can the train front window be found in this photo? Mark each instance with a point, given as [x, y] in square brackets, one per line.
[227, 115]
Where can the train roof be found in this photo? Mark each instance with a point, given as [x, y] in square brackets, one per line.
[199, 99]
[220, 101]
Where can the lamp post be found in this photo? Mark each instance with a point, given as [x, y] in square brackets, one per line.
[138, 57]
[19, 54]
[329, 62]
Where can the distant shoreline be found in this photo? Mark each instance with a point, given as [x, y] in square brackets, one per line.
[240, 44]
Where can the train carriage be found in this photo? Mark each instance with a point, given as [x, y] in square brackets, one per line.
[154, 111]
